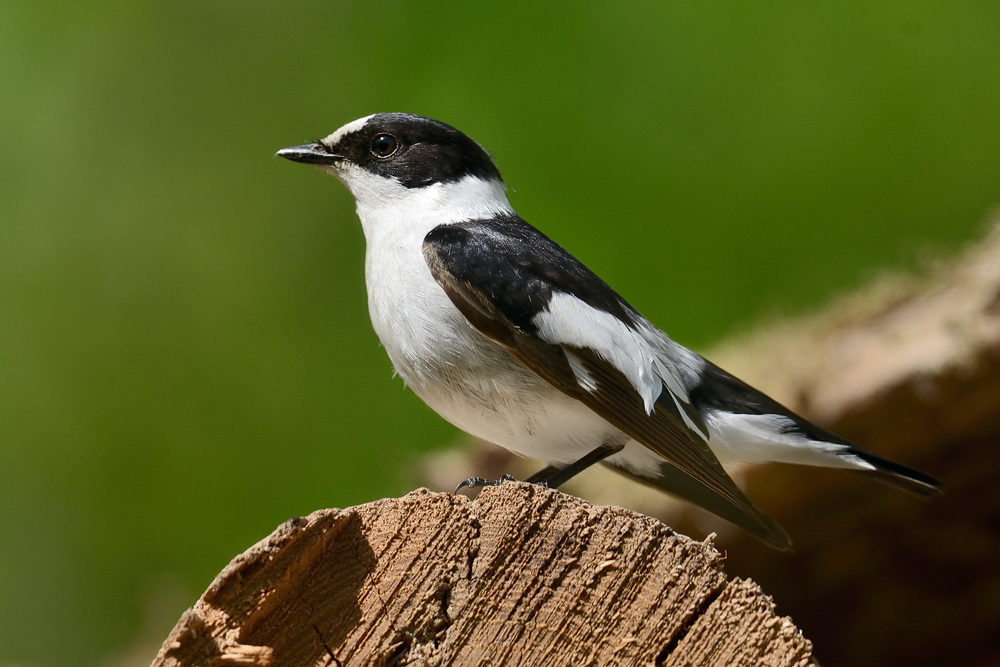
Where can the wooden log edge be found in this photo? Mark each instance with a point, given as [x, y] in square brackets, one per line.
[520, 576]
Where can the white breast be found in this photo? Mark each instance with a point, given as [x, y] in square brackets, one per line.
[415, 320]
[463, 376]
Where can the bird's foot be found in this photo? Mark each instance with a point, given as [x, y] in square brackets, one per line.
[479, 482]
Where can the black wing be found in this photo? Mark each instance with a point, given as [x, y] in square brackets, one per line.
[501, 273]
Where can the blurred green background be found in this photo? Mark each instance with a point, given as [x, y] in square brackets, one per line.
[185, 353]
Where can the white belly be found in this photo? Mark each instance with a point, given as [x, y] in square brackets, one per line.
[466, 378]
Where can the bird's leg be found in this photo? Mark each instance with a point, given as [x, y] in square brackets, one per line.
[553, 477]
[479, 482]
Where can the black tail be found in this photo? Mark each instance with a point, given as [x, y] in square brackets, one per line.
[896, 474]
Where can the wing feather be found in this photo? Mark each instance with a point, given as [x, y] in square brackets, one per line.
[611, 395]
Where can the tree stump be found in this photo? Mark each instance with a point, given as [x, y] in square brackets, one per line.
[520, 576]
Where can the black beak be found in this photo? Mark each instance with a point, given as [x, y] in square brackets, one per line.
[315, 153]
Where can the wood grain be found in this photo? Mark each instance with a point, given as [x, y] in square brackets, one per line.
[520, 576]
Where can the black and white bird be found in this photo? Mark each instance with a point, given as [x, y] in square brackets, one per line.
[512, 339]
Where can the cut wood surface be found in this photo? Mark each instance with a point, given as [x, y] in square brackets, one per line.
[520, 576]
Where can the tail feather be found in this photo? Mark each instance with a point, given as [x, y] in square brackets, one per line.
[896, 474]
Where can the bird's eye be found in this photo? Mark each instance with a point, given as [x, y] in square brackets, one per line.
[384, 145]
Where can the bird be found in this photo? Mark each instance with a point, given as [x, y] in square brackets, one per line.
[512, 339]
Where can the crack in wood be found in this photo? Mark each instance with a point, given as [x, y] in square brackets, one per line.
[688, 623]
[432, 580]
[326, 647]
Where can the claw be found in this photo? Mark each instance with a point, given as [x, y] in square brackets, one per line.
[479, 482]
[471, 483]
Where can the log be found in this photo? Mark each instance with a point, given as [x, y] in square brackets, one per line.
[520, 576]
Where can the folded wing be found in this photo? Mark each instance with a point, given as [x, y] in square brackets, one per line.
[530, 296]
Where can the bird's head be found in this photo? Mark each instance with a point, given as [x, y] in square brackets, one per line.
[388, 159]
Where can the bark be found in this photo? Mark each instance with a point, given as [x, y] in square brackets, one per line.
[520, 576]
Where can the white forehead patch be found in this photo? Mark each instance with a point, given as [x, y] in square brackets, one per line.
[353, 126]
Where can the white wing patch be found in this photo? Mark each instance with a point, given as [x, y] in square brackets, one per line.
[569, 321]
[583, 376]
[682, 363]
